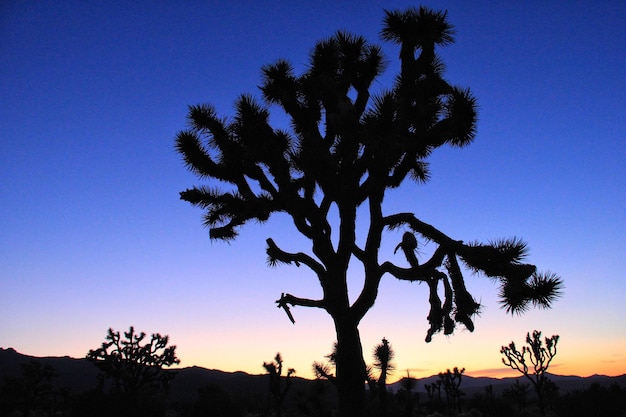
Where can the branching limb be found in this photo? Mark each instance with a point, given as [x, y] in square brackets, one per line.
[521, 284]
[429, 232]
[541, 356]
[286, 299]
[421, 272]
[455, 292]
[297, 301]
[407, 274]
[322, 371]
[358, 253]
[515, 359]
[256, 173]
[438, 316]
[275, 255]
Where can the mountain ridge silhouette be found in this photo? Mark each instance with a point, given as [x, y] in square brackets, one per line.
[79, 375]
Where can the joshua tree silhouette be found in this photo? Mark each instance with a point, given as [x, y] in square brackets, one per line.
[451, 382]
[32, 393]
[134, 364]
[278, 390]
[383, 355]
[345, 149]
[533, 362]
[323, 370]
[517, 392]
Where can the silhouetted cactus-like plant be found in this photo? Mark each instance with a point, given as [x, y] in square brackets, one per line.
[533, 362]
[451, 382]
[322, 370]
[383, 355]
[518, 393]
[133, 362]
[32, 393]
[346, 147]
[433, 390]
[279, 385]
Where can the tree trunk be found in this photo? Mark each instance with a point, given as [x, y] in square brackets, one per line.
[382, 390]
[540, 398]
[350, 367]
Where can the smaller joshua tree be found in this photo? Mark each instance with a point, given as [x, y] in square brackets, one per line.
[132, 364]
[535, 355]
[32, 393]
[432, 389]
[450, 382]
[517, 393]
[278, 392]
[383, 354]
[323, 370]
[406, 394]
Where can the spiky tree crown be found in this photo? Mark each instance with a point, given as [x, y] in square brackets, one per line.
[338, 143]
[346, 148]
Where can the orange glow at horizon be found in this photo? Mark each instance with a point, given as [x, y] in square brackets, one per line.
[232, 353]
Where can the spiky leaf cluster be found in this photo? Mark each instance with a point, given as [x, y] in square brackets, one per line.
[521, 285]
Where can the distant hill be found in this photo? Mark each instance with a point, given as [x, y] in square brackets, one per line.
[471, 385]
[79, 375]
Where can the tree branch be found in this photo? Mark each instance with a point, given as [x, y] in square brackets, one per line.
[297, 301]
[421, 273]
[275, 254]
[358, 253]
[257, 174]
[286, 299]
[396, 220]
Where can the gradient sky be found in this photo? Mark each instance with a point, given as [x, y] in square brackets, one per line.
[93, 234]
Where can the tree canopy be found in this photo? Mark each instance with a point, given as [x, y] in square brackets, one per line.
[345, 148]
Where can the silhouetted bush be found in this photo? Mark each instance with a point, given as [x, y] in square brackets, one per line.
[593, 401]
[491, 406]
[213, 401]
[32, 393]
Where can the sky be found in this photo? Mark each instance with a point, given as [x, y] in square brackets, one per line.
[93, 234]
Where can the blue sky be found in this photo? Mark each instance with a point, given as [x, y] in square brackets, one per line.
[93, 235]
